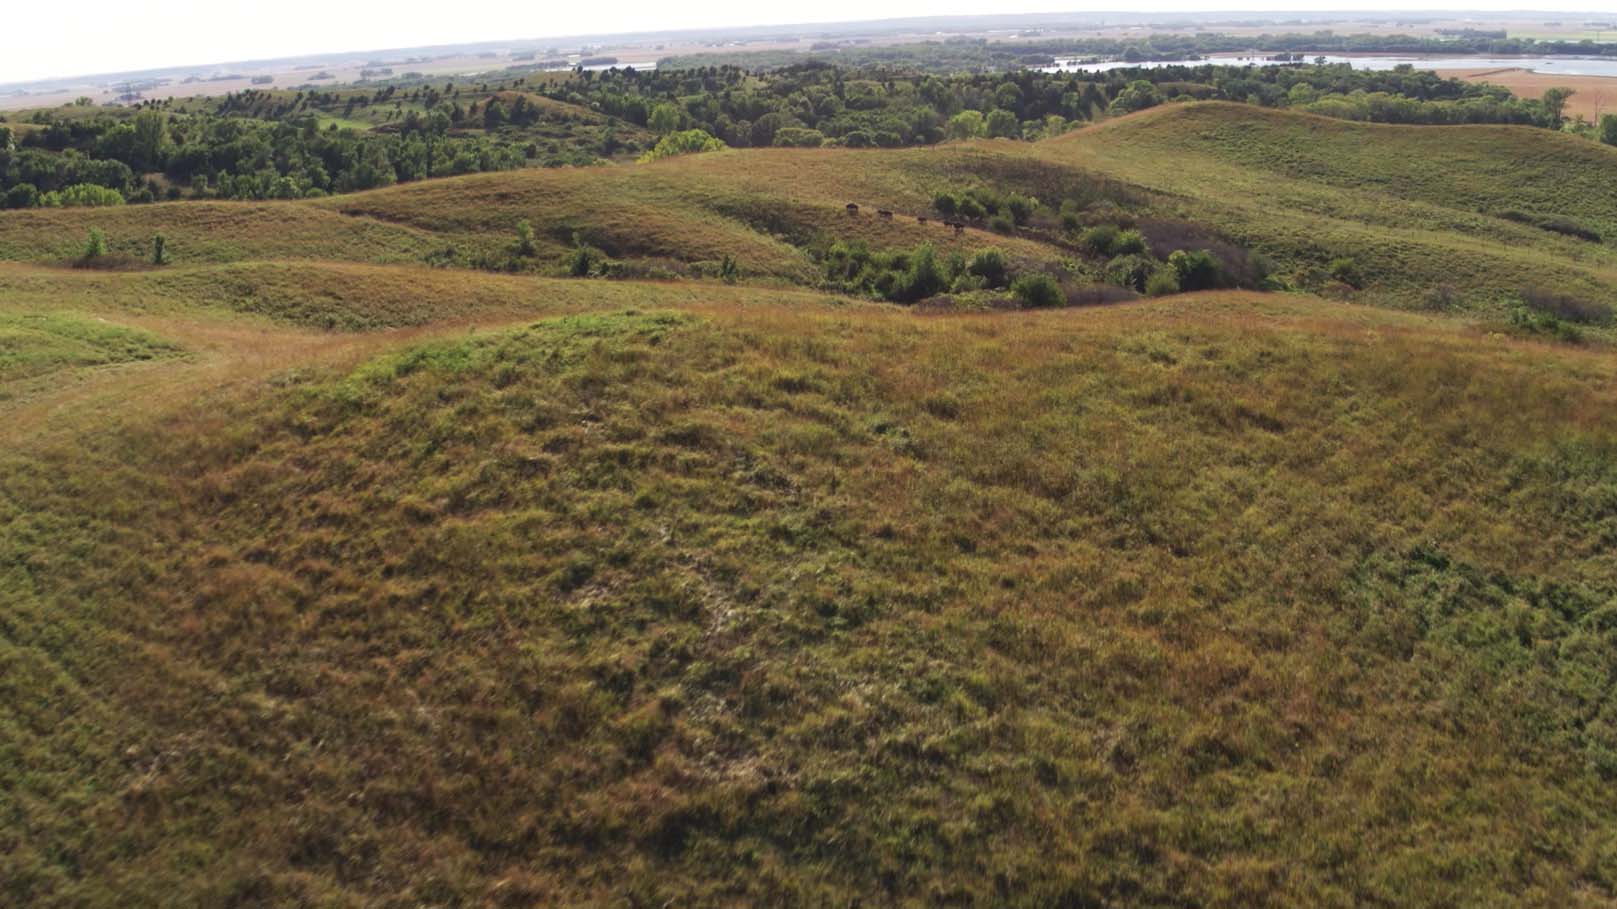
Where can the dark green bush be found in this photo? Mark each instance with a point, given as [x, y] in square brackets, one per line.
[1037, 289]
[990, 265]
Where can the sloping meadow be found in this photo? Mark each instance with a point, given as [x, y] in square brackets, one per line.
[1229, 600]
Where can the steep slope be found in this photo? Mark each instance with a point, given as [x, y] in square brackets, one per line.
[1229, 600]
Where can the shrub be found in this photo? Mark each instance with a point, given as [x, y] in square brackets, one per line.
[1529, 321]
[945, 204]
[798, 137]
[1037, 289]
[1000, 224]
[1128, 242]
[1162, 282]
[1020, 207]
[582, 261]
[1442, 297]
[1569, 228]
[966, 283]
[989, 264]
[95, 246]
[1099, 239]
[1568, 308]
[1130, 270]
[685, 142]
[82, 195]
[159, 250]
[728, 272]
[1196, 270]
[1346, 271]
[1099, 294]
[922, 279]
[23, 195]
[525, 239]
[970, 208]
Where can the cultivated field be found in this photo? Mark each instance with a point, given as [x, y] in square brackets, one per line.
[1594, 95]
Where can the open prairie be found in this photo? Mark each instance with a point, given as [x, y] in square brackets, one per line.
[358, 556]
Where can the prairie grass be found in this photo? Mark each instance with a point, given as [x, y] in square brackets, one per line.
[1230, 599]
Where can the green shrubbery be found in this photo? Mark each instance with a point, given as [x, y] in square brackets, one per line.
[1007, 210]
[685, 142]
[1037, 289]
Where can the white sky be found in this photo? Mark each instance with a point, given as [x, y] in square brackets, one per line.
[98, 36]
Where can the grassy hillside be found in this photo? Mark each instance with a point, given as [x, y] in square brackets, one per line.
[331, 578]
[776, 602]
[1469, 217]
[1416, 207]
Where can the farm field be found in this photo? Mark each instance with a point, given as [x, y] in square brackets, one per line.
[1593, 95]
[362, 554]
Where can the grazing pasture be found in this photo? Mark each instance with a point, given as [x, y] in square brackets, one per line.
[358, 557]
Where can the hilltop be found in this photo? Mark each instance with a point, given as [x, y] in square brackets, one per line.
[358, 557]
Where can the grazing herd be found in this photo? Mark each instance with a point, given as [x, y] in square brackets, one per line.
[959, 227]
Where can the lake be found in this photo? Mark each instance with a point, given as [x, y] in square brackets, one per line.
[1564, 66]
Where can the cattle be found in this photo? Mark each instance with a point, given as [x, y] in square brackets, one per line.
[959, 228]
[920, 219]
[853, 209]
[884, 213]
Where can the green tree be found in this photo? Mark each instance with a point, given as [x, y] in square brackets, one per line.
[494, 115]
[664, 119]
[1555, 102]
[1138, 95]
[1608, 129]
[151, 143]
[1002, 124]
[968, 124]
[159, 250]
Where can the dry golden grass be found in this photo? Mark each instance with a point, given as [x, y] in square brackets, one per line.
[723, 602]
[352, 584]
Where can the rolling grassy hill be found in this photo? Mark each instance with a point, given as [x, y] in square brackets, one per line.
[330, 578]
[1482, 213]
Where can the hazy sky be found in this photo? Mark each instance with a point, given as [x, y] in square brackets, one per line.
[96, 36]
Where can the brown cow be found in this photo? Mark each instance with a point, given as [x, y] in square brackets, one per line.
[959, 228]
[853, 209]
[884, 213]
[920, 219]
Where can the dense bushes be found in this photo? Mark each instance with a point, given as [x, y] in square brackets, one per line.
[684, 142]
[1037, 289]
[978, 203]
[81, 194]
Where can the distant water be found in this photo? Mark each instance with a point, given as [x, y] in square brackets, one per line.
[1564, 66]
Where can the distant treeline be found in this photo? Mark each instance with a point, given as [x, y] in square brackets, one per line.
[820, 104]
[154, 155]
[265, 144]
[979, 55]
